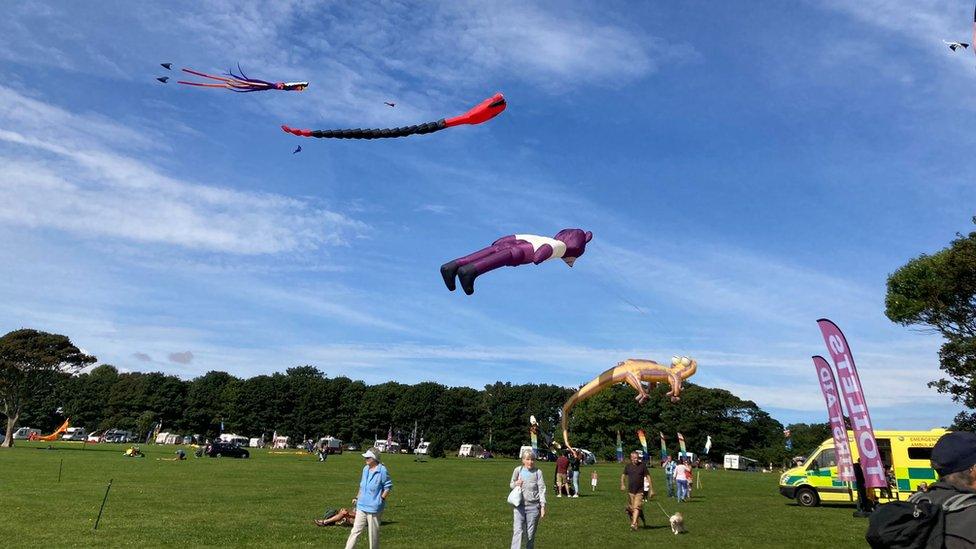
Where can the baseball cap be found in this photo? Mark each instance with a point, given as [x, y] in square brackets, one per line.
[371, 454]
[954, 452]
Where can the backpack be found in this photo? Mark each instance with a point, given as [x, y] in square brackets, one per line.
[914, 524]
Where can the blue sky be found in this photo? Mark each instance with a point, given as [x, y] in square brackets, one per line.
[745, 170]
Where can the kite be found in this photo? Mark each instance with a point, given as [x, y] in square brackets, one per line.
[708, 445]
[240, 83]
[484, 111]
[297, 150]
[642, 437]
[167, 66]
[634, 372]
[53, 436]
[388, 104]
[163, 79]
[955, 45]
[512, 251]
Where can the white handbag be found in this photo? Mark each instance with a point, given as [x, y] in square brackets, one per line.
[515, 496]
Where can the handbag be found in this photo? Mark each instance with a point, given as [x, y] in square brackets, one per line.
[515, 496]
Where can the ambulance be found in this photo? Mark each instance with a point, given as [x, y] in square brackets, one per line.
[906, 452]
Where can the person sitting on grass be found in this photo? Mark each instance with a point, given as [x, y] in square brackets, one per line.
[342, 517]
[133, 452]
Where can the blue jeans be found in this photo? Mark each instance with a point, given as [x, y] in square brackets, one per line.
[526, 518]
[670, 480]
[575, 482]
[682, 489]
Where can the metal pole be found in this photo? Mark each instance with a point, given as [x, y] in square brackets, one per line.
[61, 466]
[102, 508]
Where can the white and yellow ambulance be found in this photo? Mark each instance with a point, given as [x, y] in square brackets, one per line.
[906, 452]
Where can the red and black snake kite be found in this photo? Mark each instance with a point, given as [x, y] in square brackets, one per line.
[486, 110]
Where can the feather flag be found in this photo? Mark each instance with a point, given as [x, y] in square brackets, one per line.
[664, 447]
[681, 445]
[534, 434]
[643, 440]
[708, 444]
[620, 449]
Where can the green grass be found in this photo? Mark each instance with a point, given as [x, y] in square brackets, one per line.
[272, 499]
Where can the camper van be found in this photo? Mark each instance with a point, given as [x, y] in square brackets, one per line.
[332, 445]
[380, 445]
[470, 450]
[734, 462]
[907, 452]
[25, 433]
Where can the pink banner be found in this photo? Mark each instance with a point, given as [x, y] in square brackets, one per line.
[842, 449]
[857, 408]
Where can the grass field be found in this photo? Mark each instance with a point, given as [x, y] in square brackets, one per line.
[272, 499]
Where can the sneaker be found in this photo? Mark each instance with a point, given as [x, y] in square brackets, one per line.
[575, 495]
[559, 495]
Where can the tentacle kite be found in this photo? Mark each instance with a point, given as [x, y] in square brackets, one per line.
[634, 372]
[240, 83]
[484, 111]
[514, 250]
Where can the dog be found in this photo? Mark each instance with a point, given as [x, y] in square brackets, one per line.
[677, 524]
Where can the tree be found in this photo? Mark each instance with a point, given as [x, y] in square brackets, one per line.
[28, 358]
[939, 291]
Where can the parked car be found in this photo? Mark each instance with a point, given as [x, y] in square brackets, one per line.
[352, 447]
[75, 433]
[224, 449]
[118, 436]
[95, 436]
[24, 433]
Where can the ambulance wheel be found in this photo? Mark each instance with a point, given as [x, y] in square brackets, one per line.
[807, 497]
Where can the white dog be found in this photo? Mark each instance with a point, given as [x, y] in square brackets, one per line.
[677, 524]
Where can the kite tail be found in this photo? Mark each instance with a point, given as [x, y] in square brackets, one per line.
[359, 133]
[585, 392]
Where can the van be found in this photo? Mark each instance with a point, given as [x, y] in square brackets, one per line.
[75, 433]
[908, 453]
[25, 433]
[470, 450]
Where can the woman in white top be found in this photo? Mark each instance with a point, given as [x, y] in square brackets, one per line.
[533, 506]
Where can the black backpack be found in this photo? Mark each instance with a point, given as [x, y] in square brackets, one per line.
[918, 523]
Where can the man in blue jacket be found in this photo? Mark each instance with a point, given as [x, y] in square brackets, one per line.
[374, 487]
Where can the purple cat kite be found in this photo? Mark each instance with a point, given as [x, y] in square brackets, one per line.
[515, 250]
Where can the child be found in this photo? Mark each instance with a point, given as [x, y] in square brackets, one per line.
[593, 479]
[690, 476]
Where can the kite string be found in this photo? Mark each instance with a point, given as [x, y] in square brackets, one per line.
[656, 324]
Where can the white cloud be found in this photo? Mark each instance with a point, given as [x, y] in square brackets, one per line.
[64, 171]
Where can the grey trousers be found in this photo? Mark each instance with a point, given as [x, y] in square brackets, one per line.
[526, 519]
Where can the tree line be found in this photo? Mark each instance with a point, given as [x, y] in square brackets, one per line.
[303, 402]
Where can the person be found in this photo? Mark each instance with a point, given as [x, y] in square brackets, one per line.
[575, 460]
[374, 488]
[632, 481]
[954, 459]
[669, 466]
[180, 454]
[342, 517]
[690, 476]
[323, 451]
[562, 468]
[647, 488]
[533, 506]
[593, 481]
[891, 482]
[681, 479]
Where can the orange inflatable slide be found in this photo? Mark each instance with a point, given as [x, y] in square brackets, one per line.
[53, 436]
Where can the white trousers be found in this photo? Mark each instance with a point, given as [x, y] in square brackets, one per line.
[372, 520]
